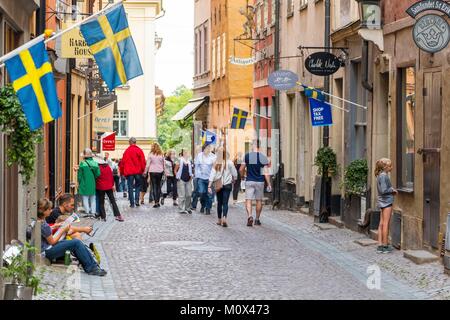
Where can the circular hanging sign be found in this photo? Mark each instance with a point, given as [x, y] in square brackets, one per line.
[283, 80]
[322, 64]
[431, 33]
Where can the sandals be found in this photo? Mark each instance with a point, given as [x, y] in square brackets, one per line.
[250, 222]
[225, 225]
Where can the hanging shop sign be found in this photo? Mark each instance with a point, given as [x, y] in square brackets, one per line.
[320, 113]
[109, 142]
[103, 119]
[242, 61]
[283, 80]
[73, 44]
[322, 64]
[431, 33]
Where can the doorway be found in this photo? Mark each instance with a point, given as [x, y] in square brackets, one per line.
[432, 157]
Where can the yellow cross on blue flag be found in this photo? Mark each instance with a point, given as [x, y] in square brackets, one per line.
[313, 93]
[208, 138]
[109, 39]
[31, 75]
[239, 119]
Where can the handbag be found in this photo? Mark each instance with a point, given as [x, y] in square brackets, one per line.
[218, 184]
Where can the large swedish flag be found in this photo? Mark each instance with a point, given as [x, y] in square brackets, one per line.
[31, 75]
[239, 119]
[110, 41]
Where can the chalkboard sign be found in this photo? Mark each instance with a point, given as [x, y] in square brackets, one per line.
[322, 64]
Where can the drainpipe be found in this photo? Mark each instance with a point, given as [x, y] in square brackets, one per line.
[276, 109]
[365, 60]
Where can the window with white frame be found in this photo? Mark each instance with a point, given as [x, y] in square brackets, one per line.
[120, 123]
[219, 55]
[290, 7]
[224, 54]
[303, 4]
[213, 57]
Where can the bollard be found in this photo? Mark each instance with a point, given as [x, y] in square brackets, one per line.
[447, 247]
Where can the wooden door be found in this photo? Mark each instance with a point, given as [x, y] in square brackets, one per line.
[431, 156]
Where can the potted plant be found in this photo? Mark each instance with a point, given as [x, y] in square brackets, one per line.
[22, 283]
[355, 187]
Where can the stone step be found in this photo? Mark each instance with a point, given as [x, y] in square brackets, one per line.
[374, 235]
[420, 256]
[336, 221]
[325, 226]
[366, 242]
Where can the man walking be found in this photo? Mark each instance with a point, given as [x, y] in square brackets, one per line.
[203, 166]
[256, 164]
[132, 167]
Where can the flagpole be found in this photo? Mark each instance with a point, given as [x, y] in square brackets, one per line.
[53, 36]
[333, 96]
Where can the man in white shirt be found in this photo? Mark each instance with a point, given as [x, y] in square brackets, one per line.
[203, 166]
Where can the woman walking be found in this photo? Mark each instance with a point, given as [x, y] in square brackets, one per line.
[385, 201]
[237, 183]
[105, 186]
[88, 172]
[221, 179]
[184, 176]
[155, 167]
[171, 180]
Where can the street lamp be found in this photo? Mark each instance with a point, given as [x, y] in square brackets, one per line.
[370, 14]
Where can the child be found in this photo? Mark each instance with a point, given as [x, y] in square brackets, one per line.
[385, 201]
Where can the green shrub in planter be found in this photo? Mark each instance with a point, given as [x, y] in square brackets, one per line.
[355, 178]
[326, 162]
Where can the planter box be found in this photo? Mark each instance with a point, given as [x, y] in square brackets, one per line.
[15, 292]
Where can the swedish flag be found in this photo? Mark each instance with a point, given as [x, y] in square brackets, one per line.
[110, 41]
[239, 119]
[208, 138]
[31, 75]
[311, 92]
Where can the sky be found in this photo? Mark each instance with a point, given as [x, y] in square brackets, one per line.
[175, 59]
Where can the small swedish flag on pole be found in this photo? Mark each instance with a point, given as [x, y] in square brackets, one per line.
[239, 119]
[110, 41]
[31, 75]
[208, 138]
[314, 93]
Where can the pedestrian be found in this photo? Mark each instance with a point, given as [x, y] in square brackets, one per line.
[116, 175]
[385, 202]
[108, 160]
[184, 176]
[88, 172]
[132, 167]
[123, 181]
[155, 168]
[54, 248]
[171, 180]
[222, 177]
[105, 186]
[255, 163]
[203, 166]
[237, 161]
[146, 187]
[195, 194]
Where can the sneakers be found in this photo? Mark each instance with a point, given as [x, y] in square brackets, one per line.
[175, 204]
[183, 212]
[387, 249]
[189, 211]
[124, 194]
[202, 210]
[98, 272]
[162, 201]
[208, 212]
[380, 249]
[257, 222]
[250, 222]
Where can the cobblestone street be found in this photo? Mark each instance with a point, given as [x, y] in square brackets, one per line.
[160, 254]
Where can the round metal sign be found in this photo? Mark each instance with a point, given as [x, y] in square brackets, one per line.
[283, 80]
[431, 33]
[322, 64]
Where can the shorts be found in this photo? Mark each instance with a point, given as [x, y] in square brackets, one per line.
[385, 207]
[254, 190]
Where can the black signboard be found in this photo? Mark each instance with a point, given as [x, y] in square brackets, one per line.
[427, 5]
[322, 64]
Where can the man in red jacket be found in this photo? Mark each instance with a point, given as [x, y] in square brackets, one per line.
[132, 167]
[105, 186]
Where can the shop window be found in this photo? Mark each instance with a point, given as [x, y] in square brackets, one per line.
[405, 127]
[120, 123]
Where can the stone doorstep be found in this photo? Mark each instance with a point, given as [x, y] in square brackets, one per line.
[374, 235]
[366, 242]
[336, 221]
[420, 256]
[325, 226]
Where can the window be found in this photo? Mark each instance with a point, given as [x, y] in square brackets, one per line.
[219, 54]
[273, 8]
[224, 54]
[258, 19]
[405, 130]
[205, 49]
[213, 66]
[199, 51]
[303, 4]
[196, 53]
[120, 123]
[266, 13]
[290, 8]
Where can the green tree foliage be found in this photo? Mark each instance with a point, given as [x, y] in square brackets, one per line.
[175, 134]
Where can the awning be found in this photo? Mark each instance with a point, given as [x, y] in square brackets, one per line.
[190, 109]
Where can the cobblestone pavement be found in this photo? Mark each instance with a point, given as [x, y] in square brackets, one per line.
[160, 254]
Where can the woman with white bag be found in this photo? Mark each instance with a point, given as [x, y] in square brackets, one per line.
[221, 179]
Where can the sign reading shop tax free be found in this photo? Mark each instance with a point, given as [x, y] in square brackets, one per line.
[109, 142]
[322, 64]
[283, 80]
[320, 113]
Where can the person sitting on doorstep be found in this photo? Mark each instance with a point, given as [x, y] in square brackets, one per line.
[55, 248]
